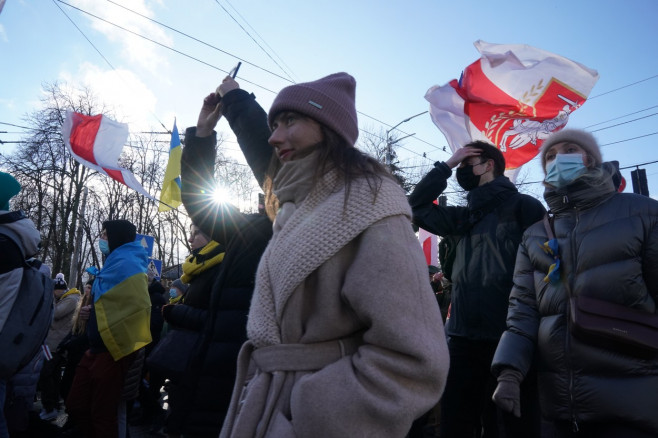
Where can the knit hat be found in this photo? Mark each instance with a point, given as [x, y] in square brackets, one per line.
[582, 138]
[156, 288]
[119, 232]
[9, 188]
[329, 101]
[178, 284]
[59, 283]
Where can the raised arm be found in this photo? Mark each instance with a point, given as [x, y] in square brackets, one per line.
[248, 121]
[221, 221]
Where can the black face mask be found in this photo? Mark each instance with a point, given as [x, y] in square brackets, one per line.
[467, 179]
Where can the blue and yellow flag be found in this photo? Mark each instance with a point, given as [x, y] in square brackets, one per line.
[170, 195]
[122, 302]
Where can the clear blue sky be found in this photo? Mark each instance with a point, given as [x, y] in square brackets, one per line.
[396, 50]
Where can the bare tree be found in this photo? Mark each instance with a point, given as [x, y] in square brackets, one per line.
[53, 183]
[376, 144]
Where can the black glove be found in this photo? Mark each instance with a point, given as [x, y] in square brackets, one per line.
[508, 392]
[166, 311]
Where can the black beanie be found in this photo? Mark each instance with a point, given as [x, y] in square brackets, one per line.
[119, 232]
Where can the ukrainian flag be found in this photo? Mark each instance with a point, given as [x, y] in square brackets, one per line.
[170, 195]
[122, 302]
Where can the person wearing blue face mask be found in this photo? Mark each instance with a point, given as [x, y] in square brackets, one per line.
[607, 246]
[177, 291]
[103, 246]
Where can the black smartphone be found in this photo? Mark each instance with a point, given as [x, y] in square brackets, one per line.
[234, 72]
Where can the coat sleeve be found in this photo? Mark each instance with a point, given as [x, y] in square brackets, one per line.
[221, 221]
[187, 317]
[65, 309]
[650, 261]
[399, 371]
[532, 211]
[516, 347]
[248, 121]
[442, 221]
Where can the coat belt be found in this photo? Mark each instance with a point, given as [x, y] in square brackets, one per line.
[304, 357]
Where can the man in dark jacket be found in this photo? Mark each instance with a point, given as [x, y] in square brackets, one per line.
[489, 230]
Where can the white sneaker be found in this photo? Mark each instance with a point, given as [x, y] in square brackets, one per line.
[48, 416]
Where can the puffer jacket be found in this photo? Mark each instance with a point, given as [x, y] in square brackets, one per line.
[207, 385]
[490, 230]
[608, 245]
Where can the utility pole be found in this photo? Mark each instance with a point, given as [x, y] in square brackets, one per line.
[389, 143]
[73, 274]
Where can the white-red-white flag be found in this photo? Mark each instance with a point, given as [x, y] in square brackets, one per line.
[514, 96]
[97, 142]
[429, 243]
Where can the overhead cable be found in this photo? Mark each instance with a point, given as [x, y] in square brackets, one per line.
[252, 38]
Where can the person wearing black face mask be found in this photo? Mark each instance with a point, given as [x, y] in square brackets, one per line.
[489, 231]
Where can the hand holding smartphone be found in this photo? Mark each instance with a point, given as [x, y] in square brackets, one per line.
[234, 71]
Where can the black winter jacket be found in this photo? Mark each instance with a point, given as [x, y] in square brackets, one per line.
[490, 227]
[207, 386]
[608, 245]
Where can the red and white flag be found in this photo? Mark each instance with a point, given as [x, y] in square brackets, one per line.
[97, 142]
[514, 96]
[429, 243]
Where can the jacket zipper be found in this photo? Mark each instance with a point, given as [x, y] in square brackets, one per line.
[574, 419]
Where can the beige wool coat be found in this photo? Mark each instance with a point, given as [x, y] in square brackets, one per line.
[62, 318]
[350, 338]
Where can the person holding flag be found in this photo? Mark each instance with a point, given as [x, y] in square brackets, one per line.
[488, 230]
[117, 328]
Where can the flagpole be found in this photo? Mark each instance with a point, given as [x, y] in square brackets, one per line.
[73, 273]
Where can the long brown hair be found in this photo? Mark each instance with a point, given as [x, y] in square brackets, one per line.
[335, 153]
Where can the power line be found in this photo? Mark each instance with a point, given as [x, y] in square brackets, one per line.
[200, 41]
[99, 52]
[264, 88]
[624, 123]
[16, 126]
[621, 117]
[208, 64]
[252, 38]
[637, 165]
[261, 38]
[623, 86]
[83, 34]
[629, 139]
[160, 44]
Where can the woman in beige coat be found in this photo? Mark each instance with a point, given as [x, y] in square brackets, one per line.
[345, 336]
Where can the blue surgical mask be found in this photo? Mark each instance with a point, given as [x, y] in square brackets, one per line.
[565, 169]
[173, 293]
[103, 246]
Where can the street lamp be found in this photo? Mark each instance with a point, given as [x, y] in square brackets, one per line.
[389, 143]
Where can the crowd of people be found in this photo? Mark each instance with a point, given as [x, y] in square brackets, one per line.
[315, 316]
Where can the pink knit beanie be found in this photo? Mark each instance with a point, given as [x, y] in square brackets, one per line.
[329, 101]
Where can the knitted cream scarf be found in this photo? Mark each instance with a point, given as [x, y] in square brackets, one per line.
[197, 262]
[320, 226]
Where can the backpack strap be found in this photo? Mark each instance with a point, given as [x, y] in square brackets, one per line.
[12, 216]
[14, 237]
